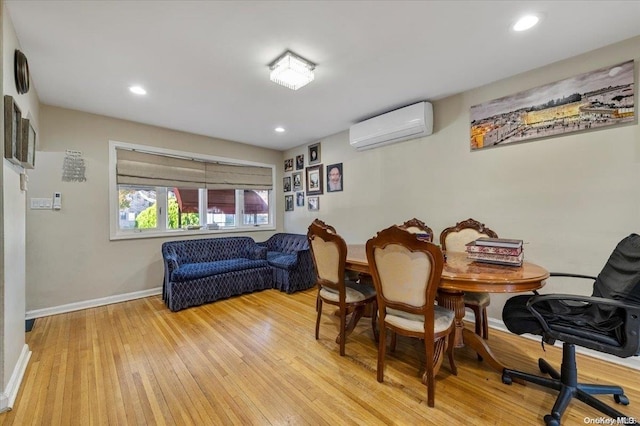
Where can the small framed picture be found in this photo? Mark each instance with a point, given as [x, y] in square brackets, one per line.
[300, 162]
[286, 184]
[288, 165]
[334, 177]
[314, 153]
[297, 181]
[314, 203]
[12, 130]
[314, 180]
[28, 146]
[288, 203]
[300, 199]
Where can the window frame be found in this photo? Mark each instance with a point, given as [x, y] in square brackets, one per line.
[115, 233]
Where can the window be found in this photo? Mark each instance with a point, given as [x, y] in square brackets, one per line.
[160, 192]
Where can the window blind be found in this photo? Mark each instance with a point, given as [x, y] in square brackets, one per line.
[142, 168]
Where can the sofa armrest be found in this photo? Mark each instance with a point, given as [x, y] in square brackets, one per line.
[171, 263]
[257, 252]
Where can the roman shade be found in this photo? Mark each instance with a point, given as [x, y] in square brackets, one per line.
[143, 168]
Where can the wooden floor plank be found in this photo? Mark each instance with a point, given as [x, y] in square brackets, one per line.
[254, 360]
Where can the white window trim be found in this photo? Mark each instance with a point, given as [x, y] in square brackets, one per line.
[115, 233]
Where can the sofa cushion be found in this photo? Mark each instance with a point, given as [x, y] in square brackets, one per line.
[273, 254]
[192, 271]
[284, 261]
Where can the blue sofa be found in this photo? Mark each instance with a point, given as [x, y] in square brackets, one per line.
[290, 259]
[204, 270]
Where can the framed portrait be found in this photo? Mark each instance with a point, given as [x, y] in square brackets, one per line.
[286, 184]
[314, 180]
[12, 130]
[297, 181]
[288, 203]
[314, 203]
[300, 162]
[334, 178]
[314, 153]
[288, 165]
[300, 199]
[27, 154]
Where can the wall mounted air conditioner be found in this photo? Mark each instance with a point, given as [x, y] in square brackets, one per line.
[410, 122]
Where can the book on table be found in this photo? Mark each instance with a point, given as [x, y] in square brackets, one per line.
[503, 259]
[498, 242]
[473, 247]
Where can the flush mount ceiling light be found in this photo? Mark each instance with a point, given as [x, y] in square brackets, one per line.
[279, 129]
[526, 22]
[292, 71]
[138, 90]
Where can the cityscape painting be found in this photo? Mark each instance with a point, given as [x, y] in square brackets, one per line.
[596, 99]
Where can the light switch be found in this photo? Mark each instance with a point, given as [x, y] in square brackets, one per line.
[41, 204]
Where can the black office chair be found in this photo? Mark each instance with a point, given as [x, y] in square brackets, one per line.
[608, 322]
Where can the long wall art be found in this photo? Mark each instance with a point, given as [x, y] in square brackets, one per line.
[592, 100]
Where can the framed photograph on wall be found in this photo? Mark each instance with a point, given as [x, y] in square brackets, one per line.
[286, 184]
[288, 203]
[12, 130]
[297, 181]
[314, 180]
[28, 145]
[314, 153]
[314, 203]
[300, 162]
[300, 199]
[288, 164]
[334, 177]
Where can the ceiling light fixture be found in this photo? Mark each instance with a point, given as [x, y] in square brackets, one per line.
[526, 22]
[292, 71]
[279, 129]
[138, 90]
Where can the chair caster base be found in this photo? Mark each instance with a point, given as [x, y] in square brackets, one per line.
[549, 420]
[621, 399]
[506, 379]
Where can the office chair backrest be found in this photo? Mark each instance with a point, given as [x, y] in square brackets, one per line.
[619, 279]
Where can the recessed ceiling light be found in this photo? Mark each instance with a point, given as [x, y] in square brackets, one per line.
[138, 90]
[279, 129]
[526, 22]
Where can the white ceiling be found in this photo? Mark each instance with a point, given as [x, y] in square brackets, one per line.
[205, 63]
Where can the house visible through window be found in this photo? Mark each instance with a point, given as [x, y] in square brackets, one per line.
[165, 191]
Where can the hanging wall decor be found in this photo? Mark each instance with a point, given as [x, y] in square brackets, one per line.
[593, 100]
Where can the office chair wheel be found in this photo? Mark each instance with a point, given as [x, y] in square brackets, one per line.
[506, 379]
[549, 420]
[621, 399]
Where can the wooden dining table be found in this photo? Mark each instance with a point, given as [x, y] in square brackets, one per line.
[460, 275]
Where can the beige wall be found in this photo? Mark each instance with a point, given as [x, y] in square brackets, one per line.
[69, 255]
[570, 198]
[15, 353]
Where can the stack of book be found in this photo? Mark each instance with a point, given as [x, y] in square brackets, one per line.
[501, 251]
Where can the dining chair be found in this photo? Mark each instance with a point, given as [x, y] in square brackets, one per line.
[406, 272]
[329, 257]
[416, 226]
[454, 239]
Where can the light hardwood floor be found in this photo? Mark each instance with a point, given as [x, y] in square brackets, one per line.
[253, 360]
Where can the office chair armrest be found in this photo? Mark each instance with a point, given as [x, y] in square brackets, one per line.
[586, 299]
[565, 274]
[631, 311]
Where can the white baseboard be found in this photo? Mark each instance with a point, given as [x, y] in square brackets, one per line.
[631, 362]
[8, 397]
[54, 310]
